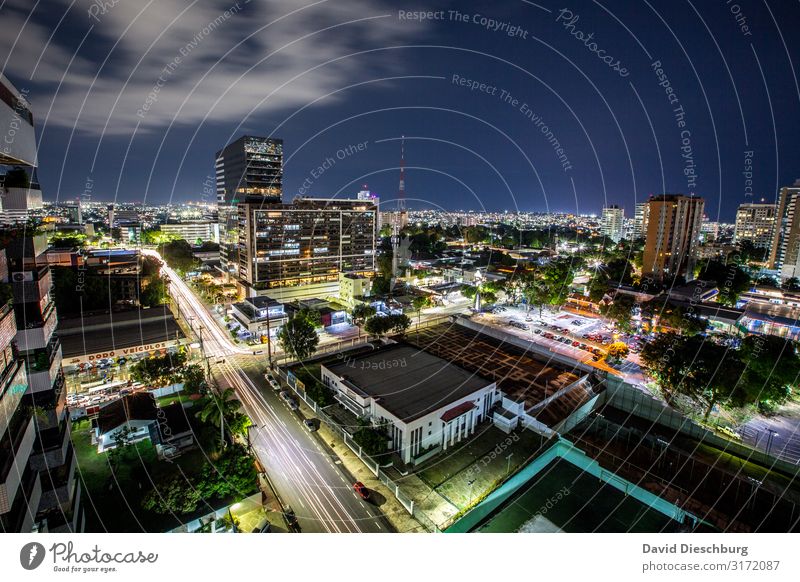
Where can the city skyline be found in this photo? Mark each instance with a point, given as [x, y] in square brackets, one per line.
[520, 137]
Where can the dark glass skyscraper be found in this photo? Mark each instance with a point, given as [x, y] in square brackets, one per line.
[248, 170]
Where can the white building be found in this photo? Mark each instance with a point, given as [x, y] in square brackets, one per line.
[611, 224]
[640, 218]
[755, 223]
[193, 231]
[426, 403]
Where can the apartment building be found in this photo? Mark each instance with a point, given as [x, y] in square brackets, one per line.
[673, 236]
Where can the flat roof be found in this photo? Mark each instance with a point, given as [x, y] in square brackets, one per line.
[406, 381]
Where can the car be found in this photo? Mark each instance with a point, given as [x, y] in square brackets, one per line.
[310, 425]
[595, 358]
[292, 404]
[362, 491]
[537, 331]
[291, 520]
[528, 319]
[285, 394]
[575, 344]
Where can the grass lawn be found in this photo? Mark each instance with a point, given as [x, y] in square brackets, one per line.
[167, 400]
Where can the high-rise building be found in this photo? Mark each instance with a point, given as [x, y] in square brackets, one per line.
[248, 170]
[673, 234]
[51, 456]
[305, 244]
[755, 223]
[20, 484]
[640, 216]
[784, 254]
[74, 212]
[19, 188]
[612, 221]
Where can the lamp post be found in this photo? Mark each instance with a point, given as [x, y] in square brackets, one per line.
[471, 482]
[508, 463]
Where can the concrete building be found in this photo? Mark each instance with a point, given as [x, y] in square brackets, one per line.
[785, 250]
[248, 170]
[425, 403]
[194, 231]
[394, 219]
[353, 287]
[640, 219]
[755, 223]
[673, 235]
[52, 455]
[611, 222]
[19, 188]
[261, 315]
[303, 246]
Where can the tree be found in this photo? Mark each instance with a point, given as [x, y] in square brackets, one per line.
[176, 496]
[419, 303]
[383, 324]
[155, 293]
[676, 317]
[381, 285]
[194, 378]
[217, 408]
[619, 311]
[178, 255]
[362, 312]
[298, 337]
[618, 350]
[373, 439]
[771, 369]
[731, 280]
[159, 370]
[792, 284]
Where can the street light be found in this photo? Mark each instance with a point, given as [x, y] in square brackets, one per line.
[471, 482]
[508, 464]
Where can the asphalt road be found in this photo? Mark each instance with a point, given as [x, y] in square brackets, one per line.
[304, 475]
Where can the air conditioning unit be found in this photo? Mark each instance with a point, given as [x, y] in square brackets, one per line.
[22, 276]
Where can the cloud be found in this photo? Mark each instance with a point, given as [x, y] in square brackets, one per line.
[149, 64]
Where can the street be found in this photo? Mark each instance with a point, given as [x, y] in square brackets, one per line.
[305, 477]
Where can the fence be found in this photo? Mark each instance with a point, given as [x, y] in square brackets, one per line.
[369, 462]
[627, 398]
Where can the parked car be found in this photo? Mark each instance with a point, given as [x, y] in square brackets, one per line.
[293, 404]
[310, 425]
[361, 490]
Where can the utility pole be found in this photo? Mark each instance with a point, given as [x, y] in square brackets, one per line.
[269, 340]
[203, 351]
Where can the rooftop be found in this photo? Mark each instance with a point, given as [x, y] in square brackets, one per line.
[407, 381]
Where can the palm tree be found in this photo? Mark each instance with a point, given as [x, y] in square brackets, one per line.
[216, 408]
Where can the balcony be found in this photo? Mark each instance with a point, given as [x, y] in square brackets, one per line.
[58, 485]
[52, 447]
[31, 286]
[21, 514]
[43, 366]
[36, 333]
[15, 449]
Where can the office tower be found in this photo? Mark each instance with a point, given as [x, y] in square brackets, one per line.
[611, 222]
[755, 223]
[784, 255]
[74, 212]
[640, 217]
[305, 244]
[249, 170]
[673, 234]
[18, 183]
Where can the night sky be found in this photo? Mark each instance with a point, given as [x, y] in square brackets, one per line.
[136, 97]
